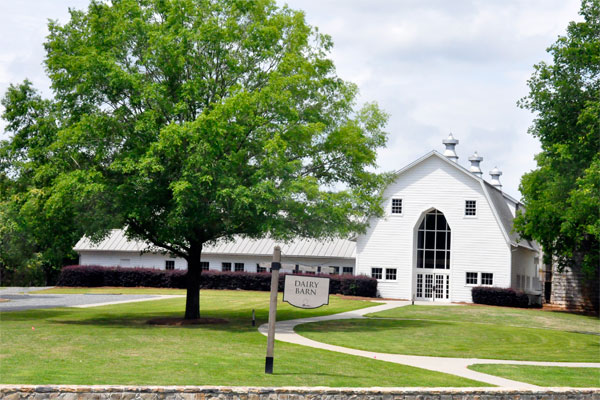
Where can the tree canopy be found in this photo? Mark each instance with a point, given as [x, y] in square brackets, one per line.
[562, 196]
[191, 121]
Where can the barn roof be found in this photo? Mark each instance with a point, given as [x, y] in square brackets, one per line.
[496, 198]
[330, 248]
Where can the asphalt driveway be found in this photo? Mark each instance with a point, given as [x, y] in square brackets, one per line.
[19, 299]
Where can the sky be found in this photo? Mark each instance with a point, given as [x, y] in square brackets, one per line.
[435, 66]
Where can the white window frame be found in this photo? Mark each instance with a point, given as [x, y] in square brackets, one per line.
[223, 266]
[401, 213]
[236, 266]
[475, 209]
[467, 278]
[167, 262]
[344, 272]
[492, 277]
[204, 265]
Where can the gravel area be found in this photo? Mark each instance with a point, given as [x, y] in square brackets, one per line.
[19, 299]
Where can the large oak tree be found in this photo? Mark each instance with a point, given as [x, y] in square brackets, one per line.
[192, 121]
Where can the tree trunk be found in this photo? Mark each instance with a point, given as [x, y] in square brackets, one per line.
[192, 301]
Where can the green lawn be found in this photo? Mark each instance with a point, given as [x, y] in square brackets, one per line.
[527, 318]
[114, 345]
[544, 376]
[443, 332]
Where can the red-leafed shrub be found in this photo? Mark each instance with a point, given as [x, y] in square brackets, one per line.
[494, 296]
[94, 276]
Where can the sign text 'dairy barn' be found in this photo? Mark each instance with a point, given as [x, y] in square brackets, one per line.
[306, 291]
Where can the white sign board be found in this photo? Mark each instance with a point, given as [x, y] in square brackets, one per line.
[306, 291]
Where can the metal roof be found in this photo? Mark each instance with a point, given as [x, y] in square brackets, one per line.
[314, 248]
[506, 218]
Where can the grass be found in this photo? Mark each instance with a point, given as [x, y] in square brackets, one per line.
[544, 376]
[443, 333]
[114, 345]
[526, 318]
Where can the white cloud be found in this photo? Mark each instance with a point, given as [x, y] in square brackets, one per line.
[434, 65]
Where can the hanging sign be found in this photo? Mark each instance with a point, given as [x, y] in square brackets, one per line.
[306, 291]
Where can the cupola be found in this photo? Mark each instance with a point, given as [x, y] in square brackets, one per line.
[495, 174]
[450, 144]
[475, 159]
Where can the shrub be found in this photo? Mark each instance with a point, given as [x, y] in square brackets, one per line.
[499, 297]
[94, 276]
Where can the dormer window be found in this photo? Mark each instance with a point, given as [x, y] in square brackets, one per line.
[396, 206]
[470, 208]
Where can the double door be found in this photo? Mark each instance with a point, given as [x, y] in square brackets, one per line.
[433, 287]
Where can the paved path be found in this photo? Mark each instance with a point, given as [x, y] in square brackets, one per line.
[20, 299]
[284, 331]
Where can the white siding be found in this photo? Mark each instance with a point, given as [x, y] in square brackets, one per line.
[523, 264]
[478, 243]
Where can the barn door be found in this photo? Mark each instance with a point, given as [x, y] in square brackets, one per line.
[433, 287]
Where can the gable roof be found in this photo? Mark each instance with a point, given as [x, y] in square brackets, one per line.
[332, 248]
[496, 199]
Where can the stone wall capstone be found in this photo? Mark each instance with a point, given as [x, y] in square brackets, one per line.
[63, 392]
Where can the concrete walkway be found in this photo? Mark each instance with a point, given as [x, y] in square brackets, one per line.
[284, 331]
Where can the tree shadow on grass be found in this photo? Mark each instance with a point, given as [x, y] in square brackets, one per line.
[369, 325]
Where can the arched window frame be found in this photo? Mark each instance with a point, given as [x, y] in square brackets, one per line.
[433, 242]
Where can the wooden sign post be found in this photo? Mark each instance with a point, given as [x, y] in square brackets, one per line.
[275, 267]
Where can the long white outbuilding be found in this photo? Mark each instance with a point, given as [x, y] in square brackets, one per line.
[445, 230]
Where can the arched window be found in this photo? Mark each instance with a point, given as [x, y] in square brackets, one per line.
[433, 242]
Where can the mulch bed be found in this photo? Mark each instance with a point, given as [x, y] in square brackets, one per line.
[175, 321]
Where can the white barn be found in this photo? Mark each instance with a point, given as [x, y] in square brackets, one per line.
[445, 230]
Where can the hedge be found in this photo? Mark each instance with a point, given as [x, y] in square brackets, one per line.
[499, 297]
[95, 276]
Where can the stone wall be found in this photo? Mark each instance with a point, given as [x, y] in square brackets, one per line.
[28, 392]
[572, 291]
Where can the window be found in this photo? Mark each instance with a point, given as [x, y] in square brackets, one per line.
[433, 242]
[347, 270]
[169, 264]
[334, 270]
[528, 283]
[204, 265]
[470, 208]
[260, 269]
[487, 278]
[519, 281]
[225, 266]
[239, 267]
[376, 273]
[396, 206]
[390, 274]
[419, 285]
[471, 278]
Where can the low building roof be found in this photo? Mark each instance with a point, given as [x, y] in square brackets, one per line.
[329, 248]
